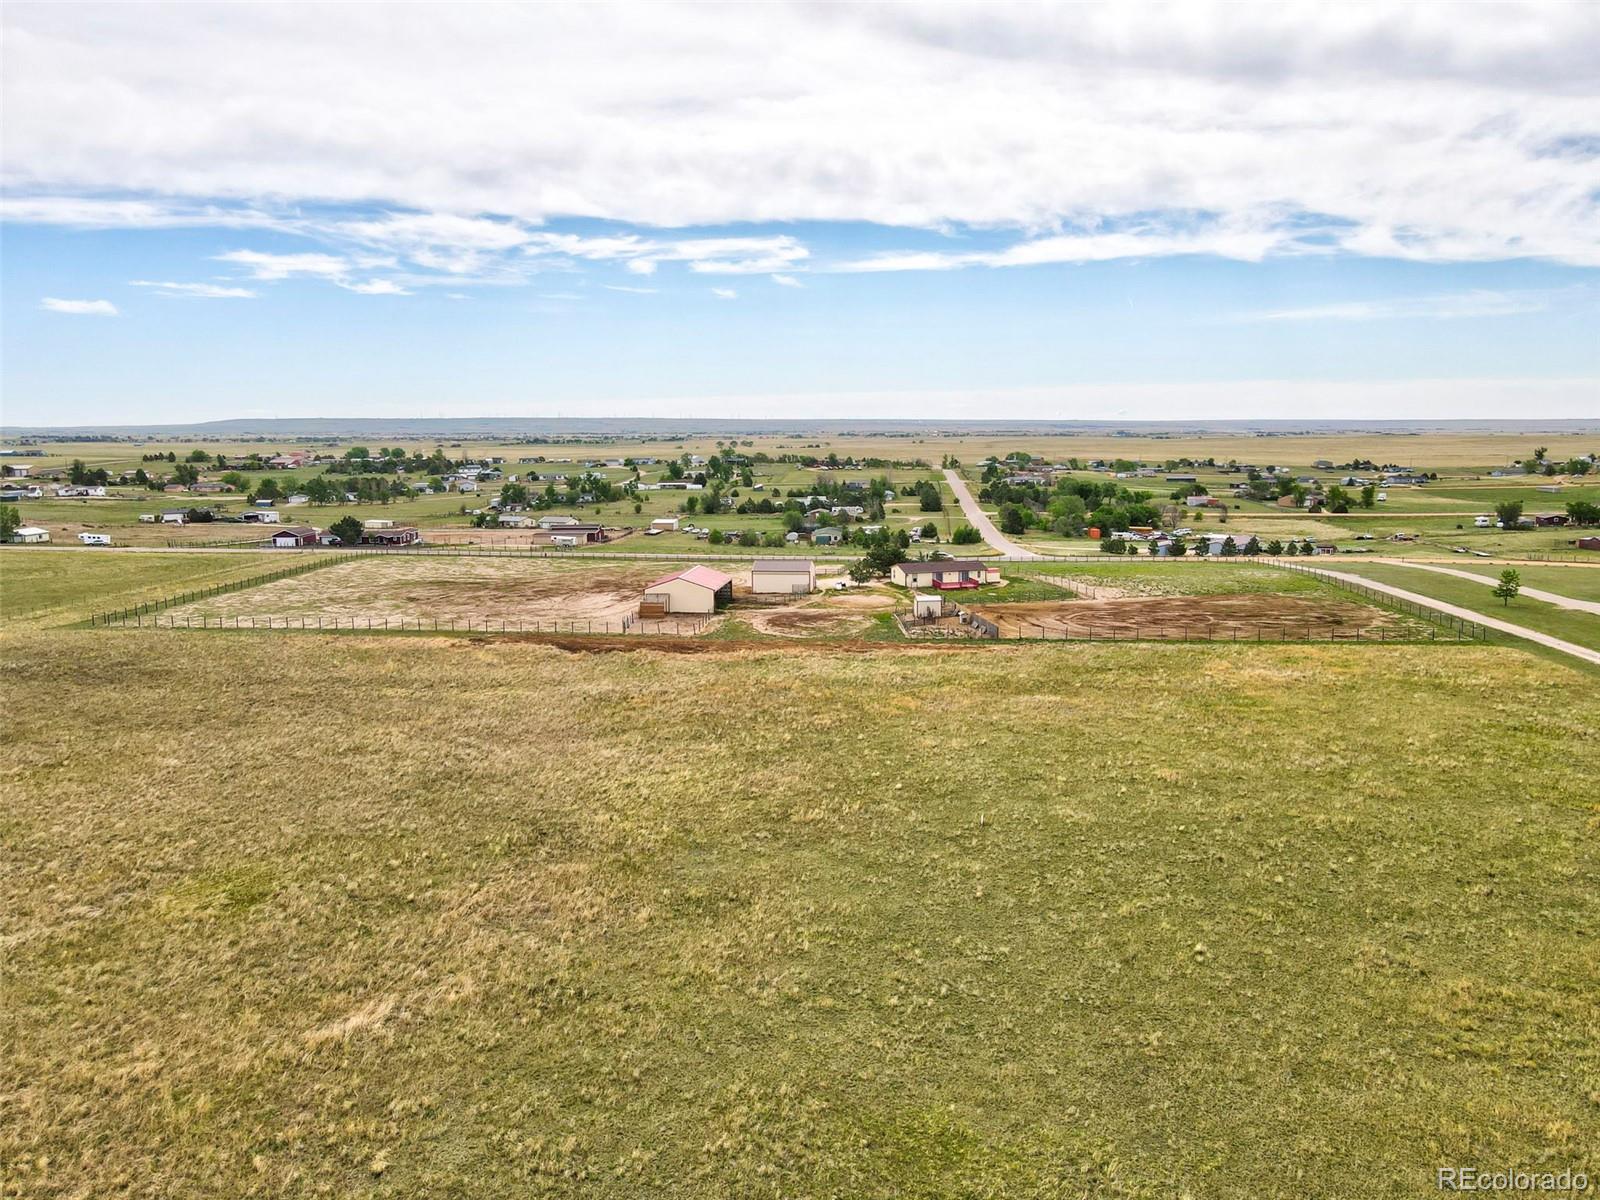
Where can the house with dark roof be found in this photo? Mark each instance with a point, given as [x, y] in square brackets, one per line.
[945, 574]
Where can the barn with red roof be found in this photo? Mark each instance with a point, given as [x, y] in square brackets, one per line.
[694, 590]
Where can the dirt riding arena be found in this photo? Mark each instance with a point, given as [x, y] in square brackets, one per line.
[455, 592]
[834, 615]
[1180, 618]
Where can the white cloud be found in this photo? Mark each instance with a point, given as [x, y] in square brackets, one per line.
[722, 293]
[205, 291]
[706, 256]
[273, 267]
[374, 287]
[1430, 132]
[79, 308]
[637, 291]
[787, 281]
[1444, 307]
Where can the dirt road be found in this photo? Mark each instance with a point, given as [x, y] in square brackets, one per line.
[980, 521]
[1588, 606]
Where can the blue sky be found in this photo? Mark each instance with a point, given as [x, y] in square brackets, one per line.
[777, 217]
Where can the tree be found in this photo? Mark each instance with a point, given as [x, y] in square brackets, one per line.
[1253, 546]
[1274, 546]
[1509, 512]
[1508, 587]
[966, 535]
[1012, 520]
[715, 537]
[1369, 495]
[929, 498]
[348, 530]
[930, 532]
[10, 521]
[1583, 512]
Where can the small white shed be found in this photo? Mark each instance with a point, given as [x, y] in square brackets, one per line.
[30, 533]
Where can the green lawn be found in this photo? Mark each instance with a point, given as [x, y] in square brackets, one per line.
[1580, 583]
[1579, 627]
[482, 918]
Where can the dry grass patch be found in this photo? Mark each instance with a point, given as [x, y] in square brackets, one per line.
[399, 917]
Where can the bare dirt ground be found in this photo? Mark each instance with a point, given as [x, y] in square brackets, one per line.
[1181, 617]
[446, 589]
[840, 614]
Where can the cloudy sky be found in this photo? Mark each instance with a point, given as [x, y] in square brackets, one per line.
[957, 210]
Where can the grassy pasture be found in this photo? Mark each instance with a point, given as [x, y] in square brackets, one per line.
[482, 918]
[1573, 626]
[60, 586]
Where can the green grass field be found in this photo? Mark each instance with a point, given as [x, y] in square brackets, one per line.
[1573, 626]
[404, 917]
[60, 586]
[1580, 583]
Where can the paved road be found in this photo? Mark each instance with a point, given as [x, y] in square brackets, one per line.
[1521, 631]
[1588, 606]
[980, 521]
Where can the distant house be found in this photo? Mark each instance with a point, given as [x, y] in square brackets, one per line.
[827, 536]
[665, 524]
[27, 534]
[175, 487]
[945, 574]
[17, 470]
[1588, 543]
[404, 536]
[1201, 501]
[1180, 478]
[292, 536]
[694, 590]
[211, 486]
[556, 519]
[783, 576]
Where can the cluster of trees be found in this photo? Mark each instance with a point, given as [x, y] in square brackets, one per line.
[1541, 464]
[391, 460]
[1178, 547]
[81, 476]
[1070, 507]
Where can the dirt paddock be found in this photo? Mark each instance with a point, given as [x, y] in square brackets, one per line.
[449, 589]
[1200, 617]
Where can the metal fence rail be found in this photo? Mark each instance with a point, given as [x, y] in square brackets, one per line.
[133, 613]
[676, 627]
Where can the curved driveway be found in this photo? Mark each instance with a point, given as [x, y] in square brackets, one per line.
[980, 521]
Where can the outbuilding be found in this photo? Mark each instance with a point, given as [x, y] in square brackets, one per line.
[945, 574]
[783, 576]
[925, 606]
[294, 536]
[664, 525]
[694, 590]
[27, 534]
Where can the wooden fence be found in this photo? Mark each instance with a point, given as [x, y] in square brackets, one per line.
[134, 613]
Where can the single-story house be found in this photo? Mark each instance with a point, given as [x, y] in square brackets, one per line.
[30, 533]
[695, 590]
[827, 536]
[783, 576]
[292, 536]
[555, 520]
[404, 536]
[945, 574]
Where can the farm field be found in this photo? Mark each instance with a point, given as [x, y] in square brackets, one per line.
[1573, 626]
[1579, 582]
[555, 940]
[60, 586]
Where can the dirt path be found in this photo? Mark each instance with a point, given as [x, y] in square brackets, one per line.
[1588, 606]
[980, 519]
[1532, 635]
